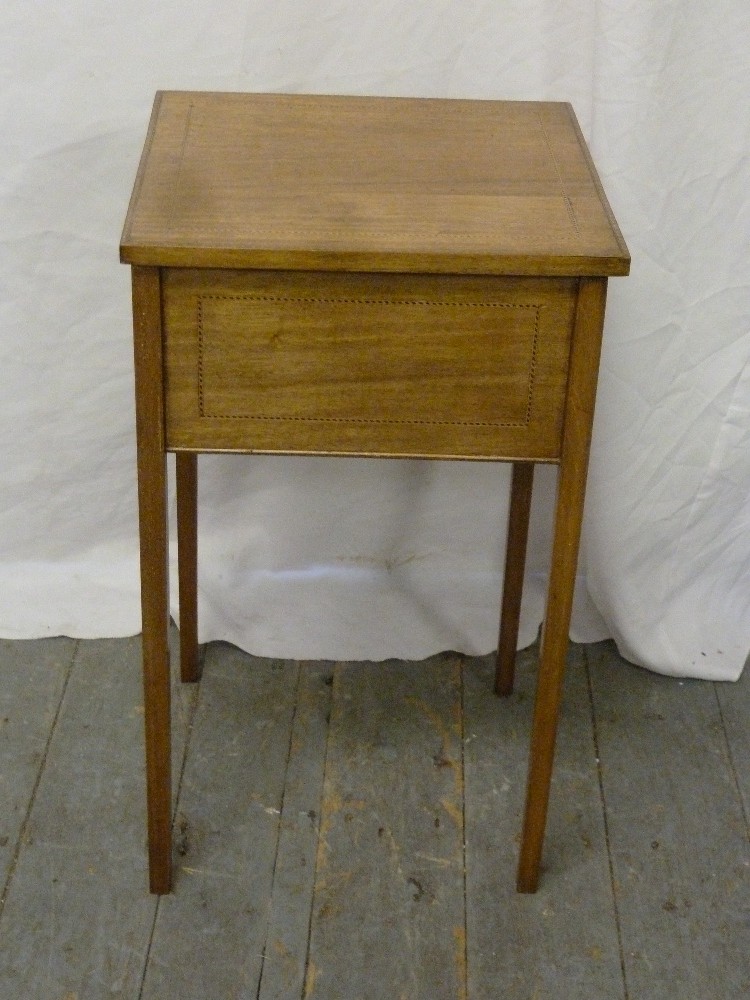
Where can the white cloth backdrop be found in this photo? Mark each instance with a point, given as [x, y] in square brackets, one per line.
[348, 559]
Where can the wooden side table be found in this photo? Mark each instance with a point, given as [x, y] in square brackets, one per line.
[365, 276]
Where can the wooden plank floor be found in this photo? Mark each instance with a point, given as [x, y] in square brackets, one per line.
[350, 831]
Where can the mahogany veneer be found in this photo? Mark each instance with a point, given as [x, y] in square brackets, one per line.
[365, 276]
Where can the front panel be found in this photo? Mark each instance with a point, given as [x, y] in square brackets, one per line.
[331, 363]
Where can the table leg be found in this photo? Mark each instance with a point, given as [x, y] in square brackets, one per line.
[515, 561]
[154, 545]
[579, 410]
[187, 556]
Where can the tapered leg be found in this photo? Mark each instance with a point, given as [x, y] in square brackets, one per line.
[579, 410]
[154, 542]
[187, 555]
[549, 685]
[515, 561]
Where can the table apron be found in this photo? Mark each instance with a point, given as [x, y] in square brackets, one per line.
[366, 364]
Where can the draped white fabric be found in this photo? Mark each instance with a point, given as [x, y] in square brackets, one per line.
[369, 559]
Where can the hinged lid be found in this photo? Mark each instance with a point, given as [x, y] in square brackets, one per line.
[361, 183]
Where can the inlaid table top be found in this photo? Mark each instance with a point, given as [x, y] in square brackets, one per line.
[363, 183]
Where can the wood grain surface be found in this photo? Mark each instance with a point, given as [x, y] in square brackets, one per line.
[363, 183]
[366, 363]
[646, 892]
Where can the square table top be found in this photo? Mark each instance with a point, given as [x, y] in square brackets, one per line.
[311, 182]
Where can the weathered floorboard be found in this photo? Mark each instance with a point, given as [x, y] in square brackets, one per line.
[32, 680]
[562, 941]
[677, 833]
[734, 705]
[210, 932]
[388, 912]
[285, 951]
[80, 884]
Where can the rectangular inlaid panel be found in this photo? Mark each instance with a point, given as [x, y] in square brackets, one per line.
[366, 363]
